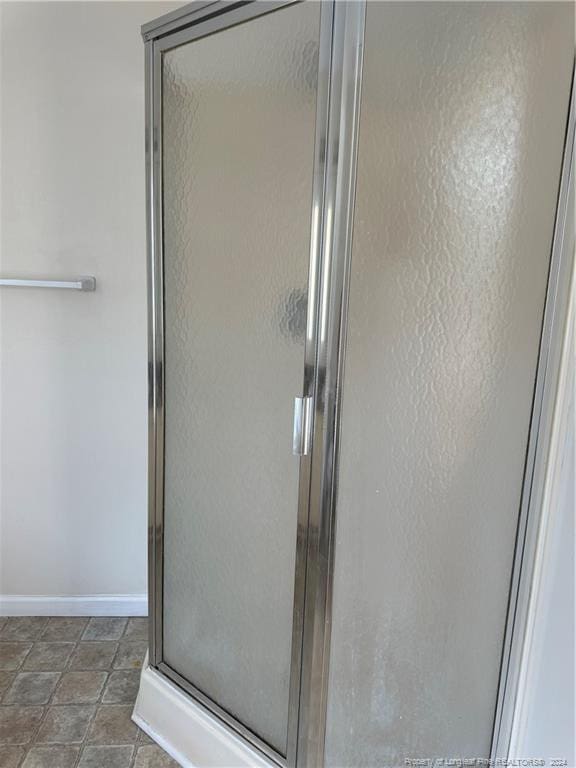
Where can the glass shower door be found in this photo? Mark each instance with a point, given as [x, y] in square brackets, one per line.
[461, 134]
[238, 112]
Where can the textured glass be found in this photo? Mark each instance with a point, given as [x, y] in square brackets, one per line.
[463, 114]
[239, 115]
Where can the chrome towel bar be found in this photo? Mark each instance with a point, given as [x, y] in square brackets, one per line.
[76, 284]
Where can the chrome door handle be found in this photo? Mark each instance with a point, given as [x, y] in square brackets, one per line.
[302, 426]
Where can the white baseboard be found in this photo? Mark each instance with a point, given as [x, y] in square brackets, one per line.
[185, 730]
[79, 605]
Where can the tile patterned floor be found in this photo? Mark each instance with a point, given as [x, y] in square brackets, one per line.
[67, 688]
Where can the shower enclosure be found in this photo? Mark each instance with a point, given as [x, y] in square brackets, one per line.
[358, 258]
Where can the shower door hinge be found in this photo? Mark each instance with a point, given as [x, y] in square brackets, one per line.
[302, 426]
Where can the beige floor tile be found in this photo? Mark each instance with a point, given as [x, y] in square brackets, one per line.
[64, 628]
[6, 679]
[48, 657]
[67, 688]
[104, 629]
[143, 737]
[106, 757]
[130, 655]
[80, 687]
[13, 654]
[122, 687]
[51, 757]
[65, 724]
[93, 656]
[113, 725]
[32, 688]
[153, 757]
[136, 629]
[18, 725]
[10, 757]
[23, 628]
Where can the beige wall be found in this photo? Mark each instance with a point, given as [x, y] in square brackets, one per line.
[73, 365]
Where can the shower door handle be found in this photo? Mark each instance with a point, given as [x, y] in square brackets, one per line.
[302, 426]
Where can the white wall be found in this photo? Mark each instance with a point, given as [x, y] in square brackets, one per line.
[549, 711]
[546, 717]
[73, 365]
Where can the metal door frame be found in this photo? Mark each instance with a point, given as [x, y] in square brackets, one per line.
[343, 124]
[320, 373]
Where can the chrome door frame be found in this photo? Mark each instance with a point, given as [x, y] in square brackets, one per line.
[178, 28]
[342, 150]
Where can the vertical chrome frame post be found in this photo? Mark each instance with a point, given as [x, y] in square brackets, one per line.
[557, 296]
[341, 151]
[178, 28]
[310, 369]
[155, 354]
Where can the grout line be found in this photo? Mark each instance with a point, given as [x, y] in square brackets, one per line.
[34, 740]
[135, 750]
[99, 703]
[96, 704]
[19, 669]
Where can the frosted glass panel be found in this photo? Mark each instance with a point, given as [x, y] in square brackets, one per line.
[239, 114]
[462, 125]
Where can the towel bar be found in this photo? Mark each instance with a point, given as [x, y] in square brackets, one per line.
[77, 284]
